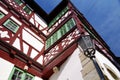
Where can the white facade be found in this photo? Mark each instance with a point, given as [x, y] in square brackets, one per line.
[5, 69]
[70, 70]
[105, 64]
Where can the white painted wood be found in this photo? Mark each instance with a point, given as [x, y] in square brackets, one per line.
[16, 20]
[3, 10]
[71, 69]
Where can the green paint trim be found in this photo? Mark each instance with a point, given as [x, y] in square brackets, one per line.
[62, 31]
[90, 32]
[11, 25]
[27, 9]
[18, 2]
[58, 16]
[1, 15]
[23, 75]
[12, 73]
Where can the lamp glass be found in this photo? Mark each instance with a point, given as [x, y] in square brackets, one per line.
[86, 42]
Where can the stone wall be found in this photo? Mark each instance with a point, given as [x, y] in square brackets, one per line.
[88, 72]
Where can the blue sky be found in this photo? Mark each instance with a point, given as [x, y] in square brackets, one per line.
[103, 15]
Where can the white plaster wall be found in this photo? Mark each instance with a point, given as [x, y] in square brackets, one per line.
[37, 78]
[103, 60]
[71, 69]
[5, 69]
[38, 20]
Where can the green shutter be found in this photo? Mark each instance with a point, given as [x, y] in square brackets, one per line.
[58, 16]
[27, 9]
[28, 77]
[18, 74]
[11, 25]
[54, 37]
[67, 28]
[61, 32]
[1, 15]
[18, 2]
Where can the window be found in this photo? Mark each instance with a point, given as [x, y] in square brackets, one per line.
[111, 72]
[18, 74]
[58, 16]
[18, 2]
[1, 15]
[27, 9]
[11, 25]
[62, 31]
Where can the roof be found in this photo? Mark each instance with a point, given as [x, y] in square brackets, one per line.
[41, 12]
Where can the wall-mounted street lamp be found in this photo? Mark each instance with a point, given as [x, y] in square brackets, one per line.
[88, 47]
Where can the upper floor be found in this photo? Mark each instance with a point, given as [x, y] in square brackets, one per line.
[40, 40]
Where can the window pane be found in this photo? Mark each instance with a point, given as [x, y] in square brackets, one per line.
[18, 2]
[17, 75]
[62, 31]
[66, 27]
[28, 77]
[1, 15]
[51, 40]
[11, 25]
[58, 16]
[71, 23]
[55, 37]
[27, 10]
[59, 34]
[48, 42]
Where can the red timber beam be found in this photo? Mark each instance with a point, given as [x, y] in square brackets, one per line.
[107, 53]
[18, 58]
[63, 48]
[48, 69]
[19, 34]
[98, 41]
[23, 18]
[61, 44]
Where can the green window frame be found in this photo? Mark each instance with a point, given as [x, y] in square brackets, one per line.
[62, 31]
[11, 25]
[1, 15]
[27, 9]
[18, 74]
[19, 2]
[58, 16]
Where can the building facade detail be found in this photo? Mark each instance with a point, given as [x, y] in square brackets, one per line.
[35, 46]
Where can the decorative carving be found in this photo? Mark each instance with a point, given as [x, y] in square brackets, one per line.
[61, 46]
[18, 8]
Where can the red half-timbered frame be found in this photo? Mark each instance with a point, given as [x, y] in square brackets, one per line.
[56, 54]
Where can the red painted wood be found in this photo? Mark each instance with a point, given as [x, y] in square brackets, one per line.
[40, 53]
[61, 45]
[57, 53]
[47, 70]
[19, 63]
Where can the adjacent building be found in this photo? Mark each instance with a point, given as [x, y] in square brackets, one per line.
[35, 45]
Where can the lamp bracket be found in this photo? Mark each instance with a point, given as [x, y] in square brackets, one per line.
[89, 52]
